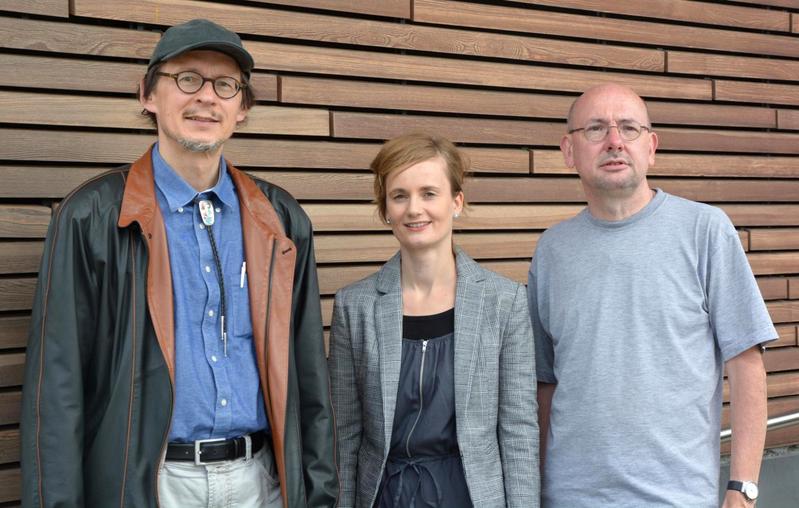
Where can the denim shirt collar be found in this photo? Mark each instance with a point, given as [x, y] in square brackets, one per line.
[179, 193]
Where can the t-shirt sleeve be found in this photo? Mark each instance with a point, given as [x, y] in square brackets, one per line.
[544, 352]
[737, 311]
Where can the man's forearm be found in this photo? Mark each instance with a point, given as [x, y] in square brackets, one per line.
[748, 414]
[544, 395]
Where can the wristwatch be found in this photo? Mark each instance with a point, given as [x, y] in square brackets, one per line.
[749, 489]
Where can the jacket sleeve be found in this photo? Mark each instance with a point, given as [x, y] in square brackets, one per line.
[316, 412]
[62, 327]
[346, 403]
[517, 422]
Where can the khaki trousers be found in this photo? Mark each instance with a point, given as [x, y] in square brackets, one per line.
[240, 483]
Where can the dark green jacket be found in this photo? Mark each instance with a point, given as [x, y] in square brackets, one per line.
[99, 378]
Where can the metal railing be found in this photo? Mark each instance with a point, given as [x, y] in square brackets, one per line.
[777, 422]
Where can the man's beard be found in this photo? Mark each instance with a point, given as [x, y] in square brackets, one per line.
[200, 146]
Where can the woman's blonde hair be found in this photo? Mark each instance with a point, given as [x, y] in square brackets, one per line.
[404, 151]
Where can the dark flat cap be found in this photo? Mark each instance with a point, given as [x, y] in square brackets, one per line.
[201, 34]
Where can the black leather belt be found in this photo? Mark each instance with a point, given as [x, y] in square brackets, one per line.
[214, 450]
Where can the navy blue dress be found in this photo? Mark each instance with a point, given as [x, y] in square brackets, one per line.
[424, 468]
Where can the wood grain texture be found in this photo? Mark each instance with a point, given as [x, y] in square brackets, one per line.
[773, 288]
[20, 256]
[793, 289]
[781, 359]
[9, 407]
[786, 311]
[10, 484]
[9, 446]
[762, 215]
[676, 164]
[14, 331]
[682, 10]
[364, 94]
[23, 221]
[357, 63]
[600, 27]
[760, 93]
[390, 8]
[122, 113]
[12, 366]
[774, 239]
[17, 293]
[788, 119]
[382, 34]
[787, 337]
[683, 62]
[58, 8]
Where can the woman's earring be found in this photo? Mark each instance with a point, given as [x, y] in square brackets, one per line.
[456, 215]
[388, 220]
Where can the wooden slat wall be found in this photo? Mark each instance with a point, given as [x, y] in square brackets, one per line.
[335, 78]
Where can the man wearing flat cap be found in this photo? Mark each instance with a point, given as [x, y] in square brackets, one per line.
[176, 354]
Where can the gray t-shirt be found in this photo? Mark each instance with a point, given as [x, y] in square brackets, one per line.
[633, 321]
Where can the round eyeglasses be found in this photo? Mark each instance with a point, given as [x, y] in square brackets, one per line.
[190, 82]
[629, 130]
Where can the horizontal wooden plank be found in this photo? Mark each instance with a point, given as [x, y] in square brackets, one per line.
[781, 359]
[793, 289]
[719, 191]
[84, 75]
[465, 130]
[345, 62]
[743, 235]
[389, 8]
[10, 485]
[762, 215]
[23, 221]
[772, 263]
[774, 239]
[307, 26]
[20, 256]
[12, 368]
[333, 278]
[9, 407]
[359, 248]
[773, 288]
[788, 119]
[674, 164]
[363, 217]
[531, 21]
[781, 384]
[58, 8]
[760, 93]
[683, 10]
[13, 331]
[43, 181]
[119, 148]
[93, 111]
[9, 446]
[17, 293]
[785, 311]
[787, 337]
[775, 3]
[728, 141]
[74, 38]
[363, 94]
[703, 64]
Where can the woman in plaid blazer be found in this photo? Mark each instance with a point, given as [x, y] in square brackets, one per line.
[431, 358]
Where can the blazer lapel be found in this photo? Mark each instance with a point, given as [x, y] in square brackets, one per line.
[468, 312]
[388, 325]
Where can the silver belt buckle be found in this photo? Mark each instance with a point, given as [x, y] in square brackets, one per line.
[198, 452]
[247, 446]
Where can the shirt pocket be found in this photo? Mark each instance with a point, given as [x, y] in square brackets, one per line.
[241, 321]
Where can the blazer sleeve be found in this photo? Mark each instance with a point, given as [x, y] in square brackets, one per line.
[346, 403]
[517, 421]
[61, 334]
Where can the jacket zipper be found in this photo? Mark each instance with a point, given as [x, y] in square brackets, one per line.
[421, 400]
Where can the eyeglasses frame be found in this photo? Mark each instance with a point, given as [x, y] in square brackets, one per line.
[610, 125]
[174, 76]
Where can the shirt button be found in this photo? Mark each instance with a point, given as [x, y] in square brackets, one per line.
[211, 313]
[207, 268]
[213, 358]
[223, 402]
[202, 227]
[180, 209]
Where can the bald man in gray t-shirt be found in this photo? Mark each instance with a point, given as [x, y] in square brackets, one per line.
[637, 303]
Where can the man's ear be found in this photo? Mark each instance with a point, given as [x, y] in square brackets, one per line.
[241, 116]
[146, 102]
[653, 146]
[566, 148]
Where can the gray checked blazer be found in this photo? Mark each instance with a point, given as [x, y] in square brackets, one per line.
[495, 399]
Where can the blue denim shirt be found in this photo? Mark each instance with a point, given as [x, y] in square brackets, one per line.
[215, 396]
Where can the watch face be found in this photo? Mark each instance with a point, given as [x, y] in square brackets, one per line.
[750, 491]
